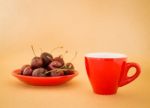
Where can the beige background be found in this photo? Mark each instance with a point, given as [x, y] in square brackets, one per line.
[79, 25]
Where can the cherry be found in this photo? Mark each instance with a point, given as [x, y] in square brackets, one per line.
[56, 72]
[59, 59]
[47, 73]
[46, 65]
[68, 72]
[36, 62]
[39, 72]
[54, 65]
[23, 67]
[69, 66]
[27, 71]
[47, 58]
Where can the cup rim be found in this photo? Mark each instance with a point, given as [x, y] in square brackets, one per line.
[105, 55]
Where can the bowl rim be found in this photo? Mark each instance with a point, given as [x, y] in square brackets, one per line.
[16, 71]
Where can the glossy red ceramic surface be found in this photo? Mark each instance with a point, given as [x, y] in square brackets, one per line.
[43, 81]
[107, 74]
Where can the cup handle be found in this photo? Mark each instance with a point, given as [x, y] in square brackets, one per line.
[125, 79]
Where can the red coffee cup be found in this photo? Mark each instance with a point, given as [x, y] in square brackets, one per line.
[108, 71]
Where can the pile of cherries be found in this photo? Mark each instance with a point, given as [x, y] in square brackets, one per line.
[47, 66]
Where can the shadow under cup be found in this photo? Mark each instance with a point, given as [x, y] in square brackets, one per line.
[108, 71]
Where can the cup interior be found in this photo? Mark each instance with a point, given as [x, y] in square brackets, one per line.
[105, 55]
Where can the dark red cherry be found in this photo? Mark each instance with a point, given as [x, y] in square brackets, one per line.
[39, 72]
[69, 66]
[59, 59]
[68, 72]
[27, 71]
[23, 67]
[36, 62]
[54, 65]
[47, 58]
[56, 72]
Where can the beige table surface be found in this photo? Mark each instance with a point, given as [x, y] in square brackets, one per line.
[76, 93]
[79, 25]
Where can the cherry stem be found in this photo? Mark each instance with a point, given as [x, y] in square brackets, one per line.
[60, 47]
[64, 53]
[74, 56]
[60, 70]
[33, 50]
